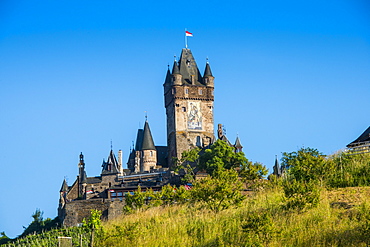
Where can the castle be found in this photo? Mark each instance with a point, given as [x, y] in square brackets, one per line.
[188, 99]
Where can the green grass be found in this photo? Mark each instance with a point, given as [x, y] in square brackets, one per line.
[342, 218]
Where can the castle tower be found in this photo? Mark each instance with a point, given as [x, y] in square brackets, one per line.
[81, 176]
[189, 106]
[149, 152]
[143, 158]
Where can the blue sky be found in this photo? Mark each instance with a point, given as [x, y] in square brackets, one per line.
[76, 75]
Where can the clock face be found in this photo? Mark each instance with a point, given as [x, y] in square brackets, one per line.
[194, 116]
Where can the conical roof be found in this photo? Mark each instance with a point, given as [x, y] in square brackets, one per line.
[207, 70]
[277, 169]
[188, 68]
[175, 68]
[110, 167]
[64, 187]
[148, 143]
[168, 77]
[139, 139]
[237, 143]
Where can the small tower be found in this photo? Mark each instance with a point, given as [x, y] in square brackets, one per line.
[277, 168]
[189, 106]
[149, 152]
[143, 157]
[81, 176]
[238, 146]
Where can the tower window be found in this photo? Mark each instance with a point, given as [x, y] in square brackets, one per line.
[151, 153]
[186, 91]
[200, 91]
[184, 109]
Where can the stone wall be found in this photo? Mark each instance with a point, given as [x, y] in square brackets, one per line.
[74, 212]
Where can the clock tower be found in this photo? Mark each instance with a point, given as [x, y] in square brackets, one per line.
[188, 98]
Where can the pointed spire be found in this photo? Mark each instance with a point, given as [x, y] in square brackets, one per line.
[189, 69]
[148, 143]
[175, 68]
[110, 167]
[277, 168]
[64, 187]
[207, 71]
[168, 76]
[237, 143]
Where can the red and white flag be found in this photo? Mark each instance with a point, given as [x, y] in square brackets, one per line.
[111, 191]
[188, 34]
[89, 192]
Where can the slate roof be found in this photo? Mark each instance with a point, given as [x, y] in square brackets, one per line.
[110, 167]
[277, 168]
[168, 77]
[139, 139]
[64, 187]
[237, 143]
[175, 68]
[207, 70]
[188, 67]
[364, 137]
[93, 180]
[148, 143]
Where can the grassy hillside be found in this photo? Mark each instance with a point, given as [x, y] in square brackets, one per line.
[342, 218]
[319, 201]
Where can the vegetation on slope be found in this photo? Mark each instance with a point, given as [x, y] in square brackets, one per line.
[311, 205]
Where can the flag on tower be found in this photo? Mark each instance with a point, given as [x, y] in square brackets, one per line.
[188, 34]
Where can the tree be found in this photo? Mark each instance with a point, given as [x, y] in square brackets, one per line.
[219, 192]
[221, 156]
[39, 224]
[307, 164]
[187, 164]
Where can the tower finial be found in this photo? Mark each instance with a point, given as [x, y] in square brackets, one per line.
[146, 116]
[111, 144]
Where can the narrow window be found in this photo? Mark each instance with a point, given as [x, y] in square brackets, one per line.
[151, 153]
[186, 91]
[184, 109]
[200, 91]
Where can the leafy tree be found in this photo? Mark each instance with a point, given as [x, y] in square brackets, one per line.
[219, 192]
[187, 164]
[221, 156]
[39, 224]
[135, 200]
[307, 164]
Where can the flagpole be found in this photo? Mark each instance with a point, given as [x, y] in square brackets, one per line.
[186, 40]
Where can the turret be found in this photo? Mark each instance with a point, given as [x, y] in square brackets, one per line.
[149, 154]
[238, 146]
[81, 176]
[208, 78]
[277, 168]
[177, 77]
